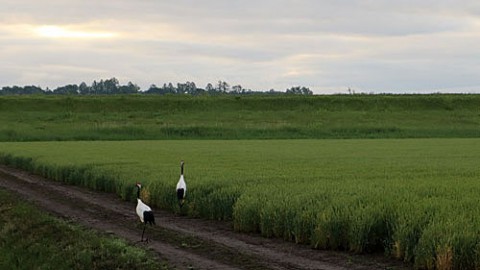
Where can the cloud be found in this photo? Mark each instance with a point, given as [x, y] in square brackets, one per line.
[328, 45]
[53, 31]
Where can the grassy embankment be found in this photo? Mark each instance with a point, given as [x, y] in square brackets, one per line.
[40, 118]
[31, 239]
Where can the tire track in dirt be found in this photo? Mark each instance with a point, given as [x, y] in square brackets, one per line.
[184, 242]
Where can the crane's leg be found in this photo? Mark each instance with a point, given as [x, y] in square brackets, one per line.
[144, 225]
[180, 203]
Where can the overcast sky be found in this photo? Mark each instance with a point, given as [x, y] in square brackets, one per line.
[381, 46]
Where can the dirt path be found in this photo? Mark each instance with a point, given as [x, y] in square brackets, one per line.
[185, 242]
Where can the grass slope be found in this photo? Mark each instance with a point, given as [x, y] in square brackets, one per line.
[31, 239]
[27, 118]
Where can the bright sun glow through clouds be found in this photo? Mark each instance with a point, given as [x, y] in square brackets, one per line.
[52, 31]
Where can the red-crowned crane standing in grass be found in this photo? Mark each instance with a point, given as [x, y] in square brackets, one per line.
[144, 212]
[181, 187]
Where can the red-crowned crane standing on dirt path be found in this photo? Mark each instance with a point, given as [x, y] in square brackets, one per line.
[144, 212]
[181, 187]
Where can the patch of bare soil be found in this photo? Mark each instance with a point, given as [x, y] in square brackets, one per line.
[186, 243]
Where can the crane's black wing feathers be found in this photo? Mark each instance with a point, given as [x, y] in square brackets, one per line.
[180, 193]
[148, 217]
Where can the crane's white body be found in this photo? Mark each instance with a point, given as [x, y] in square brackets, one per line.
[182, 185]
[142, 208]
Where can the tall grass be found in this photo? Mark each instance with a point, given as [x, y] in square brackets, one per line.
[40, 118]
[412, 199]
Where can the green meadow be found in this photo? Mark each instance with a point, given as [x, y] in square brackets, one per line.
[396, 174]
[57, 244]
[413, 199]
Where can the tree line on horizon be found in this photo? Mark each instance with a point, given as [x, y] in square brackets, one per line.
[112, 86]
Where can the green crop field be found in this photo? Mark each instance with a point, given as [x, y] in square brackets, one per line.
[413, 199]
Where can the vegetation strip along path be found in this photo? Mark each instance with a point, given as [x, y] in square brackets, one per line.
[184, 242]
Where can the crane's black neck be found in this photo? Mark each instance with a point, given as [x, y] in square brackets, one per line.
[181, 169]
[138, 192]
